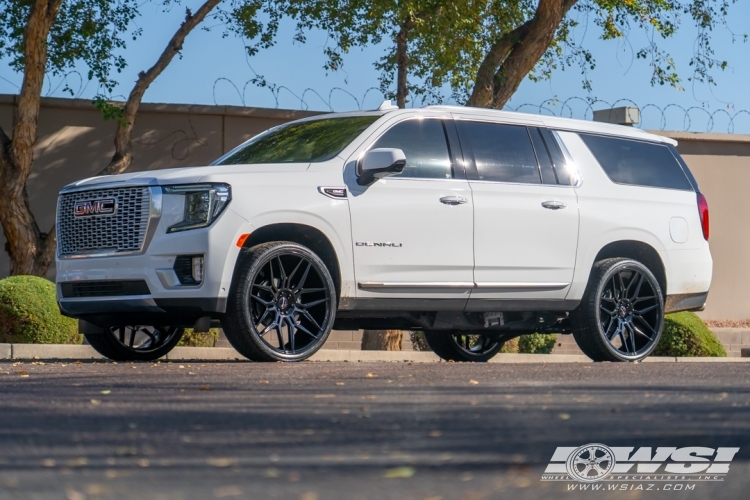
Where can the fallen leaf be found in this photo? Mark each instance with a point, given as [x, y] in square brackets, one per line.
[204, 388]
[107, 391]
[563, 416]
[271, 473]
[21, 372]
[24, 376]
[399, 473]
[48, 462]
[221, 462]
[339, 383]
[473, 382]
[96, 402]
[227, 491]
[369, 375]
[143, 462]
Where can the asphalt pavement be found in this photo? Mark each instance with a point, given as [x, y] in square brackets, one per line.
[314, 431]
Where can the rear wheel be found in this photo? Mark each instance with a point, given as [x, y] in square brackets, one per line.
[135, 342]
[463, 347]
[282, 304]
[621, 315]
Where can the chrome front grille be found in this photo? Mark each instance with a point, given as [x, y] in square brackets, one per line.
[123, 231]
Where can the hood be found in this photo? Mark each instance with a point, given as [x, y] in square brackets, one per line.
[187, 175]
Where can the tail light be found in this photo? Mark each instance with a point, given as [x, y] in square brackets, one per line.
[703, 212]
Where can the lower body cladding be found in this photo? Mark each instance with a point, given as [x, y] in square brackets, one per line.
[457, 314]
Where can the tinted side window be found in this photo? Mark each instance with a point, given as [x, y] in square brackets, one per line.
[545, 164]
[502, 153]
[558, 159]
[685, 168]
[639, 163]
[424, 144]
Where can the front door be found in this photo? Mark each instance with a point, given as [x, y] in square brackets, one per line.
[413, 233]
[525, 218]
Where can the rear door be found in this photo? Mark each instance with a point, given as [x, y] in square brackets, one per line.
[525, 214]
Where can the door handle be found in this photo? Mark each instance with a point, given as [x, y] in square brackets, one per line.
[452, 200]
[553, 205]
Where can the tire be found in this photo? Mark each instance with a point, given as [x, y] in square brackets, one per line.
[282, 304]
[621, 315]
[135, 343]
[456, 346]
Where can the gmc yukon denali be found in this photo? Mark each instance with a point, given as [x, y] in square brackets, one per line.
[473, 226]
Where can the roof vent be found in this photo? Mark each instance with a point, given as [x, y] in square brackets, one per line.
[387, 106]
[626, 115]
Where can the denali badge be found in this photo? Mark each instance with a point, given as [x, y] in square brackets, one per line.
[85, 208]
[371, 244]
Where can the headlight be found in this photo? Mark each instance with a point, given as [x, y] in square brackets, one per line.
[203, 204]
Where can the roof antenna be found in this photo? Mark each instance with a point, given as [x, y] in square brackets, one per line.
[387, 105]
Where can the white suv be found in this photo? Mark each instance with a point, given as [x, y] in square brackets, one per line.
[473, 226]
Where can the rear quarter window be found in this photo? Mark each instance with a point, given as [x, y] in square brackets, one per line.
[637, 163]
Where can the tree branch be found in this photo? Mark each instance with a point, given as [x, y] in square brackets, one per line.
[511, 58]
[123, 156]
[41, 17]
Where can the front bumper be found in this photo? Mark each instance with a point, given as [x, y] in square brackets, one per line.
[143, 310]
[163, 300]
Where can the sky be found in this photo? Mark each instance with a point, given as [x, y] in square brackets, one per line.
[215, 70]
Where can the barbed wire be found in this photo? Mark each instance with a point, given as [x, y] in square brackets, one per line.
[653, 116]
[688, 113]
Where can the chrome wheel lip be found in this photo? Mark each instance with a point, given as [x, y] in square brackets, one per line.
[118, 333]
[286, 307]
[626, 313]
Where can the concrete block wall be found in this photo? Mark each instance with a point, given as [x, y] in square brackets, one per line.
[733, 340]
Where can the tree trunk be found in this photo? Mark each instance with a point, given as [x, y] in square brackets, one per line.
[31, 251]
[402, 62]
[123, 156]
[511, 58]
[382, 340]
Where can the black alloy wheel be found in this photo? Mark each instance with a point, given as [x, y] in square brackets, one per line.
[282, 305]
[135, 342]
[457, 346]
[622, 314]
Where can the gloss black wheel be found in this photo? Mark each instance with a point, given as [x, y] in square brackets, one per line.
[621, 315]
[282, 305]
[135, 342]
[457, 346]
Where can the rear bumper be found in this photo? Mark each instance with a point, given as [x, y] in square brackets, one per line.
[685, 302]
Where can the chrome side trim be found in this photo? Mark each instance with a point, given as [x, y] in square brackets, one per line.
[521, 286]
[376, 285]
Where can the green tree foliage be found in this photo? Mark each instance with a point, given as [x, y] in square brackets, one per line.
[93, 32]
[483, 49]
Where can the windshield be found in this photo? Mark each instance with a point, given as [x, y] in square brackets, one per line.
[304, 142]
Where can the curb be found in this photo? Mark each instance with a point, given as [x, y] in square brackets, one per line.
[85, 352]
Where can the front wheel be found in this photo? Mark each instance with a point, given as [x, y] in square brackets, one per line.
[462, 347]
[621, 316]
[135, 342]
[282, 304]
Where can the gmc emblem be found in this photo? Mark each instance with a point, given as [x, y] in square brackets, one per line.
[85, 208]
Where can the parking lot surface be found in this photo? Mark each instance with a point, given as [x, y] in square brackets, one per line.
[314, 431]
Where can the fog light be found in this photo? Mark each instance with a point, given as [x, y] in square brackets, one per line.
[189, 269]
[198, 269]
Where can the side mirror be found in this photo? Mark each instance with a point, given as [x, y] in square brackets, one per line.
[379, 163]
